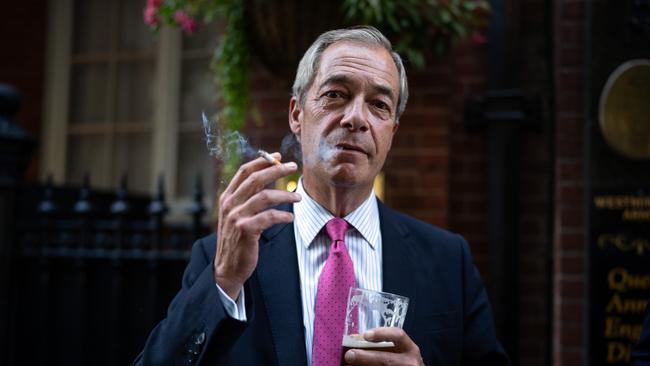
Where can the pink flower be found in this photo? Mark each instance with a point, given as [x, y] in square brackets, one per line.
[479, 37]
[187, 23]
[154, 3]
[150, 15]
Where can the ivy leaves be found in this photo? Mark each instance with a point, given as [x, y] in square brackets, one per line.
[416, 25]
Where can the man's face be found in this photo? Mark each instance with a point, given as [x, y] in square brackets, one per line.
[347, 123]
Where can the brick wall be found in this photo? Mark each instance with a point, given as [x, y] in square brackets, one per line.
[417, 168]
[535, 187]
[468, 179]
[530, 70]
[568, 237]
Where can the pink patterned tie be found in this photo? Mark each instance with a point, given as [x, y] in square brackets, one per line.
[331, 297]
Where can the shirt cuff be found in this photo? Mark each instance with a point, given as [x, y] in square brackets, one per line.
[235, 310]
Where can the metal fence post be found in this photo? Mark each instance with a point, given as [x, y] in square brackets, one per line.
[15, 150]
[157, 210]
[120, 210]
[83, 211]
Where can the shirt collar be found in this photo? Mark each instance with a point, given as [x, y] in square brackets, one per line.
[310, 217]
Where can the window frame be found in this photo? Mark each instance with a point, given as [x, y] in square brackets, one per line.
[165, 124]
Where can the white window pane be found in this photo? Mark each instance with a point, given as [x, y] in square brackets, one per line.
[91, 26]
[198, 91]
[193, 159]
[132, 156]
[88, 93]
[134, 91]
[86, 154]
[134, 34]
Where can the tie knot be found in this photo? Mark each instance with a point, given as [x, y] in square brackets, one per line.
[336, 229]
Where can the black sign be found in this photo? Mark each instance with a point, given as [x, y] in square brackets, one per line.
[619, 267]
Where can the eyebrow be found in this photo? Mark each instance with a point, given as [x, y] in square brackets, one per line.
[343, 79]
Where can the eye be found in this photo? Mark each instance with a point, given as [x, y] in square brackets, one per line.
[333, 94]
[381, 105]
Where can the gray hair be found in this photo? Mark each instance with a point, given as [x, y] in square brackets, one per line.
[366, 35]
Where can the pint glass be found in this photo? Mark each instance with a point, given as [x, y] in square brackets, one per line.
[368, 309]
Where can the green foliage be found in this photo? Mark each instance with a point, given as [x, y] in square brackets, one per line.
[417, 25]
[230, 61]
[230, 65]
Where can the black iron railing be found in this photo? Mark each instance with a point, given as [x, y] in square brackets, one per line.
[84, 275]
[90, 281]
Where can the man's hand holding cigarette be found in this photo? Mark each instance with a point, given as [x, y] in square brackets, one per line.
[244, 213]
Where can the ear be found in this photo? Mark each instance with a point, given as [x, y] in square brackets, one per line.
[295, 117]
[395, 127]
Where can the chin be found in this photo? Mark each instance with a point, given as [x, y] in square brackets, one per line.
[347, 176]
[344, 183]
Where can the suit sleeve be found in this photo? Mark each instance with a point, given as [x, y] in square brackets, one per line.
[197, 329]
[480, 344]
[641, 352]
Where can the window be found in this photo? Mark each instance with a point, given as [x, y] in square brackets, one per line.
[121, 100]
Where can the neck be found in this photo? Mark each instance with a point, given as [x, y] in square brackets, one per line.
[338, 200]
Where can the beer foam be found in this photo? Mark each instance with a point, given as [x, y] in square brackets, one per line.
[357, 341]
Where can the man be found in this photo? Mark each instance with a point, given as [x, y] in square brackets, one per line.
[254, 299]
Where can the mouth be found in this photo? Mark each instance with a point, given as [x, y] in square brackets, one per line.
[351, 148]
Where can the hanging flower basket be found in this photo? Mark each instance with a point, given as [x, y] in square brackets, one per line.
[280, 31]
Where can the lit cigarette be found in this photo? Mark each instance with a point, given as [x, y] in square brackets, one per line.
[268, 157]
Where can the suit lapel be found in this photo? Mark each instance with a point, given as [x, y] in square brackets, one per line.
[279, 280]
[398, 258]
[277, 271]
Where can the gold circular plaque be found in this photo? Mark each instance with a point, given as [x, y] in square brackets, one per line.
[624, 110]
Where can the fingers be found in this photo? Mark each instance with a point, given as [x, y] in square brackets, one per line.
[265, 199]
[239, 191]
[360, 357]
[253, 217]
[243, 215]
[256, 224]
[390, 334]
[249, 168]
[257, 180]
[406, 352]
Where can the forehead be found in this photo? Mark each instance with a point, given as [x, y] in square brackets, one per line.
[373, 63]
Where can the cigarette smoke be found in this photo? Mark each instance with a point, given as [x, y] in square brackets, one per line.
[326, 150]
[238, 144]
[221, 145]
[291, 149]
[212, 136]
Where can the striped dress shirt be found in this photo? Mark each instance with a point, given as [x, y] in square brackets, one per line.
[363, 241]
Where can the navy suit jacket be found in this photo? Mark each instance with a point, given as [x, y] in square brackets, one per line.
[449, 315]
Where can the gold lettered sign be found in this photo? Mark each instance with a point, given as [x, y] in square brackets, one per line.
[619, 273]
[624, 109]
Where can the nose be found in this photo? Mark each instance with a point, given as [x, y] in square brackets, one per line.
[356, 116]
